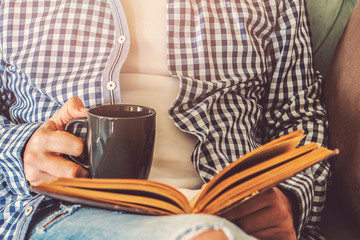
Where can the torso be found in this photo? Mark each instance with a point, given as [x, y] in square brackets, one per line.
[145, 80]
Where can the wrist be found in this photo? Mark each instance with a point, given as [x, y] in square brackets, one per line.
[293, 205]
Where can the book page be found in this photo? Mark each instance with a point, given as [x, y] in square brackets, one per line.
[271, 149]
[240, 177]
[137, 191]
[265, 180]
[189, 193]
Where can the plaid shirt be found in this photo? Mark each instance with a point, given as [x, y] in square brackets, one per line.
[245, 72]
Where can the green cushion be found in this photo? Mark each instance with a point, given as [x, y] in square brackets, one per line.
[327, 19]
[322, 14]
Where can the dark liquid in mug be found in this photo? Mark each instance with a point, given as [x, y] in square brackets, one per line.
[126, 111]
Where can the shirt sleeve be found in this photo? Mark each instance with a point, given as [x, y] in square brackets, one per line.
[292, 101]
[13, 138]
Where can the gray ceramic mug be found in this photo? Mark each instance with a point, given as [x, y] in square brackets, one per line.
[119, 142]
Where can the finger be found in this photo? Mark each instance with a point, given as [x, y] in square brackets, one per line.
[274, 233]
[58, 166]
[254, 204]
[277, 215]
[260, 201]
[35, 177]
[64, 143]
[72, 109]
[257, 221]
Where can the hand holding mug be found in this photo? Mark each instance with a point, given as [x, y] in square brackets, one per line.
[42, 155]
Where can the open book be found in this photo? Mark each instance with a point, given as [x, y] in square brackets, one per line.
[256, 171]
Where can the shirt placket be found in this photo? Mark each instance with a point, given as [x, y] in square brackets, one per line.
[111, 75]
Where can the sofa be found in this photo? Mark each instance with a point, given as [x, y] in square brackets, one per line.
[333, 28]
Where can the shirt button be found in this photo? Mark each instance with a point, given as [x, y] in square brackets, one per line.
[111, 85]
[29, 210]
[122, 39]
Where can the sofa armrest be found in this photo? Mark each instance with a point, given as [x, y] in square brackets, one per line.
[337, 222]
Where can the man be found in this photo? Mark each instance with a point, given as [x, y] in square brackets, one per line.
[243, 75]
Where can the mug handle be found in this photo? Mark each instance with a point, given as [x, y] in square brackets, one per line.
[70, 129]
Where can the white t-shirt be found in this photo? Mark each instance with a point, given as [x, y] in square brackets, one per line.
[145, 80]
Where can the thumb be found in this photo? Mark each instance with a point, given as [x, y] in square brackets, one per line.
[72, 109]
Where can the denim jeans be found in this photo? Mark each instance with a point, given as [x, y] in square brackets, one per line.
[76, 222]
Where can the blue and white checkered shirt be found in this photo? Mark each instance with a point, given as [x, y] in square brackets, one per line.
[245, 69]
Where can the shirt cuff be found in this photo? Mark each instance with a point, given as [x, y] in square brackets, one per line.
[13, 142]
[300, 191]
